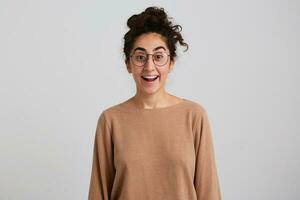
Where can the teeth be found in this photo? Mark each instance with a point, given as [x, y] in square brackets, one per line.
[149, 76]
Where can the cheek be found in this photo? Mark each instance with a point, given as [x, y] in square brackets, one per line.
[136, 76]
[163, 75]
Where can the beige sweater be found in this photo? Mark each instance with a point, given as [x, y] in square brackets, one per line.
[154, 154]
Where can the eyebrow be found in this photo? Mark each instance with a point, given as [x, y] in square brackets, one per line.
[155, 49]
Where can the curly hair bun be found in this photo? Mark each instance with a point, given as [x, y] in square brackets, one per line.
[152, 16]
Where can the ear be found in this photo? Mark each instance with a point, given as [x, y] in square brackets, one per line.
[172, 62]
[128, 66]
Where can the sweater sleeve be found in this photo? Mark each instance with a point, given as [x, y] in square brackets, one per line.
[103, 171]
[205, 179]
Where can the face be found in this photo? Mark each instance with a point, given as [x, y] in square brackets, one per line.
[150, 43]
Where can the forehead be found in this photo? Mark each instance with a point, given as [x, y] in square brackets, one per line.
[150, 42]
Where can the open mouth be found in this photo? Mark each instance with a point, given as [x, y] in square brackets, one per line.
[150, 79]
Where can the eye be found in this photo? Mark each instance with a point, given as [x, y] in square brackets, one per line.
[140, 57]
[158, 56]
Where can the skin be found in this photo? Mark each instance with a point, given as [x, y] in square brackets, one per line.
[154, 95]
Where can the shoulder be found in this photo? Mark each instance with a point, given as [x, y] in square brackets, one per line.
[111, 112]
[198, 113]
[196, 107]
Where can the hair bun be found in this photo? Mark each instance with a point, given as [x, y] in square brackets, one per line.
[152, 16]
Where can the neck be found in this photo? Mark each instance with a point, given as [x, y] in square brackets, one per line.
[150, 101]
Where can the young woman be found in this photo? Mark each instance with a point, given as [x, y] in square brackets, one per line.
[154, 145]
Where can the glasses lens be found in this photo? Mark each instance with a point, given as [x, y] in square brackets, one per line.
[160, 58]
[139, 59]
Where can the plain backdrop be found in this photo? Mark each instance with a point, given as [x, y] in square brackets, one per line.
[62, 64]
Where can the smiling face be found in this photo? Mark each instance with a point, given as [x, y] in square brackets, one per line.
[149, 43]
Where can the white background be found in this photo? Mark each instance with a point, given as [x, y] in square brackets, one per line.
[62, 64]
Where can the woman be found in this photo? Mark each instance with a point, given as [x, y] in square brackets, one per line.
[154, 145]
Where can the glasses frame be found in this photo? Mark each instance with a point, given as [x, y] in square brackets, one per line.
[147, 58]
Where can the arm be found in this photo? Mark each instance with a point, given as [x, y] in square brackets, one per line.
[206, 179]
[102, 175]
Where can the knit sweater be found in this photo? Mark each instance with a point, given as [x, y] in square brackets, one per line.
[154, 154]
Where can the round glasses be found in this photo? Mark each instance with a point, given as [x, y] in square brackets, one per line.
[139, 59]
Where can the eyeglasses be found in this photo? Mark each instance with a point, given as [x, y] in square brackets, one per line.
[140, 58]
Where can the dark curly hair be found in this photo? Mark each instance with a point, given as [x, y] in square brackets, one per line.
[153, 19]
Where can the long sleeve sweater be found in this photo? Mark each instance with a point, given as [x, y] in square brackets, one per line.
[154, 154]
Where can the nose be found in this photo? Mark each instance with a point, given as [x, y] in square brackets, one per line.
[149, 65]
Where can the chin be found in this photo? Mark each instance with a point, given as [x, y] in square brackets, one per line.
[150, 91]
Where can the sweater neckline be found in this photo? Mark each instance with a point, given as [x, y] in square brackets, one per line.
[183, 100]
